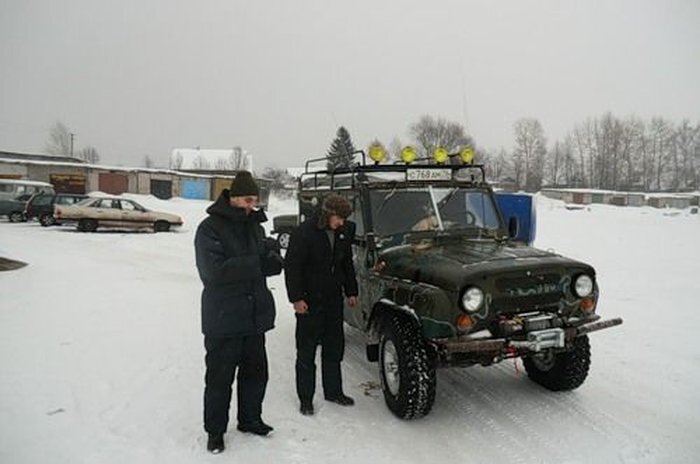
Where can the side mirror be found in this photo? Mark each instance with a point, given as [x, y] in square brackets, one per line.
[513, 227]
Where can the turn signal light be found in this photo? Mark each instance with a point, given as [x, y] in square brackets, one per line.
[587, 305]
[464, 322]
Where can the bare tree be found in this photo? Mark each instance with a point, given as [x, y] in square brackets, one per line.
[200, 162]
[89, 154]
[147, 162]
[686, 151]
[529, 153]
[176, 161]
[430, 133]
[59, 140]
[237, 159]
[394, 150]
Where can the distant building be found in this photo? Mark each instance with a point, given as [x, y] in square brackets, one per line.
[38, 157]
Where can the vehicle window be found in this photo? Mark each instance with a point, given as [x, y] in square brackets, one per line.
[64, 200]
[42, 200]
[108, 203]
[128, 206]
[400, 211]
[5, 188]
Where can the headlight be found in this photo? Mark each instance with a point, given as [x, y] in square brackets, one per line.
[583, 286]
[472, 299]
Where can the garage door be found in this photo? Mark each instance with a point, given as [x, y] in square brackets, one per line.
[113, 183]
[195, 189]
[162, 189]
[68, 183]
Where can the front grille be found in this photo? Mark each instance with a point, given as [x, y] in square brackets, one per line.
[527, 292]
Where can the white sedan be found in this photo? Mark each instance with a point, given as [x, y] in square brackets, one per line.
[92, 213]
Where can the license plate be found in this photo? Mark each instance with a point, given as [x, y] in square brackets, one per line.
[428, 174]
[543, 339]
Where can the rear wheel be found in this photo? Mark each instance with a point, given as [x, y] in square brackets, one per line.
[408, 378]
[47, 220]
[161, 226]
[16, 216]
[87, 225]
[561, 371]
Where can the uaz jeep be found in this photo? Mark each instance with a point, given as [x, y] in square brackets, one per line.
[444, 281]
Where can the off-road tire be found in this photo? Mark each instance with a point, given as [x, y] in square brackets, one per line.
[566, 371]
[161, 226]
[416, 374]
[87, 225]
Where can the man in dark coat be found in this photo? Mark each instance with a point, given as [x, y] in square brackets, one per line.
[233, 259]
[318, 271]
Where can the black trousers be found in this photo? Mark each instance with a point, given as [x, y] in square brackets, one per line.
[324, 326]
[224, 356]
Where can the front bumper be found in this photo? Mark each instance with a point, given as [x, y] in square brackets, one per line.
[467, 351]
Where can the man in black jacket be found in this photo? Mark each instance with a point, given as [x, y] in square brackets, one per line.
[233, 259]
[318, 270]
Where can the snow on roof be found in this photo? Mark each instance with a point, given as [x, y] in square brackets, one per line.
[194, 158]
[25, 182]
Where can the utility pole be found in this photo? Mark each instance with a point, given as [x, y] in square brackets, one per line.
[72, 135]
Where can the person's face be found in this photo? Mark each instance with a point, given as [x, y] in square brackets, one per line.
[248, 203]
[335, 221]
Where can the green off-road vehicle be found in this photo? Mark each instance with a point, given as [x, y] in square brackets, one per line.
[445, 281]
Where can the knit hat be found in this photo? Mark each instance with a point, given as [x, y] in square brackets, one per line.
[244, 185]
[335, 204]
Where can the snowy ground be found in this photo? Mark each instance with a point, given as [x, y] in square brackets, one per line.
[102, 359]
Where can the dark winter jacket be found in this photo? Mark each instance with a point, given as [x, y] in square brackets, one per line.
[233, 258]
[315, 274]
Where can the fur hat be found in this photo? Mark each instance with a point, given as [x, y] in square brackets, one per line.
[244, 185]
[335, 204]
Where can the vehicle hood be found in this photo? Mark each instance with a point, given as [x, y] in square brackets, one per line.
[458, 262]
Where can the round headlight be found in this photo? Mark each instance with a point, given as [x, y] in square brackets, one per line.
[472, 299]
[583, 286]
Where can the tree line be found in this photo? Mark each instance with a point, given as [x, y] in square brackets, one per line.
[605, 152]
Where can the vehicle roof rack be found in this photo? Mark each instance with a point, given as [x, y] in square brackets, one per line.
[418, 173]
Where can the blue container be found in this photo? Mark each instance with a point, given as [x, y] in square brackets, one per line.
[522, 207]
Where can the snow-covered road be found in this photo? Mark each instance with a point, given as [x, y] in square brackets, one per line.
[102, 359]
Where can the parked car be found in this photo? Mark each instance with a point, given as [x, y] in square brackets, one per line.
[12, 188]
[93, 213]
[445, 280]
[14, 208]
[41, 206]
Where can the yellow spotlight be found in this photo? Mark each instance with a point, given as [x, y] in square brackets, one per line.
[440, 155]
[408, 154]
[377, 153]
[467, 155]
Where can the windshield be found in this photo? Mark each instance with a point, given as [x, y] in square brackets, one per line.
[400, 211]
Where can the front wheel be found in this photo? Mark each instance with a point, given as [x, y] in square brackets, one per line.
[161, 226]
[561, 371]
[408, 378]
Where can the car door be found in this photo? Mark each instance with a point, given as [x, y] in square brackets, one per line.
[134, 215]
[107, 212]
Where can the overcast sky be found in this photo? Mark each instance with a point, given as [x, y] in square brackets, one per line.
[138, 77]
